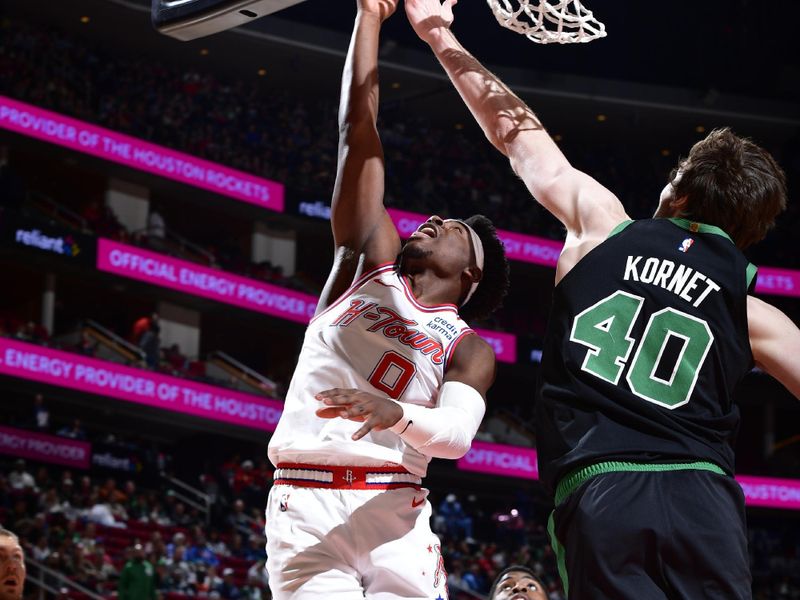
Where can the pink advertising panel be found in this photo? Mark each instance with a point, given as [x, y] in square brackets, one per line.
[499, 459]
[165, 271]
[779, 282]
[504, 344]
[45, 448]
[525, 248]
[770, 492]
[541, 251]
[184, 276]
[515, 461]
[132, 152]
[102, 378]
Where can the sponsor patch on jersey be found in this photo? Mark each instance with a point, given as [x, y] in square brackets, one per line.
[685, 245]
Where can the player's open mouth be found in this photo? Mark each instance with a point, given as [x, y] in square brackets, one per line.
[428, 229]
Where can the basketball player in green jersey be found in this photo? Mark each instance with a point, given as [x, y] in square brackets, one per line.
[651, 329]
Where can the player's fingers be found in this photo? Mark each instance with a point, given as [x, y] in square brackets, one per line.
[328, 412]
[333, 393]
[353, 411]
[364, 429]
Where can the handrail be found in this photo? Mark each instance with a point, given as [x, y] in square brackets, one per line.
[110, 339]
[203, 502]
[182, 242]
[63, 579]
[59, 210]
[241, 371]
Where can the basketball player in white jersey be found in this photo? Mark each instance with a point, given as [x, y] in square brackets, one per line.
[389, 376]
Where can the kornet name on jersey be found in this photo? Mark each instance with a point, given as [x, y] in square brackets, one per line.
[376, 338]
[646, 341]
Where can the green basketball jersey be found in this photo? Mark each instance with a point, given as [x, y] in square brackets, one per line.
[647, 339]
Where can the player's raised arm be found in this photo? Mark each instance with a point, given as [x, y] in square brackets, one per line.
[775, 342]
[363, 233]
[586, 208]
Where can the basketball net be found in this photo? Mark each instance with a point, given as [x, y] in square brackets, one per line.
[547, 22]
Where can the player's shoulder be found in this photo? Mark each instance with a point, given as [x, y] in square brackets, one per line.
[474, 347]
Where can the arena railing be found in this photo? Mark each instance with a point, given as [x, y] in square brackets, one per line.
[47, 206]
[189, 495]
[44, 579]
[223, 366]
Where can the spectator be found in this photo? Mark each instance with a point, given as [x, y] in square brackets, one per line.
[518, 582]
[41, 416]
[146, 335]
[456, 522]
[12, 566]
[228, 590]
[74, 430]
[156, 227]
[20, 480]
[85, 345]
[137, 579]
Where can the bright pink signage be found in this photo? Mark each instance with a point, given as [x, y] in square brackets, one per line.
[770, 492]
[525, 248]
[504, 344]
[779, 282]
[499, 459]
[45, 448]
[27, 361]
[541, 251]
[515, 461]
[136, 263]
[135, 153]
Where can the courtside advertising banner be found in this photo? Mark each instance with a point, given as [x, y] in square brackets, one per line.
[770, 492]
[165, 271]
[499, 459]
[132, 152]
[515, 461]
[44, 448]
[541, 251]
[102, 378]
[184, 276]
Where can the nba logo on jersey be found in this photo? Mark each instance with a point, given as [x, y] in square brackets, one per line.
[686, 244]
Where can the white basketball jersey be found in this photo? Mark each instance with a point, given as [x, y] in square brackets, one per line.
[376, 338]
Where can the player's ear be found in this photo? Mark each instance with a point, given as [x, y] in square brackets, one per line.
[473, 273]
[680, 205]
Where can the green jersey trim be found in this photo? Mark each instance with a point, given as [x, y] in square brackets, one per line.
[696, 227]
[752, 271]
[619, 228]
[572, 481]
[560, 551]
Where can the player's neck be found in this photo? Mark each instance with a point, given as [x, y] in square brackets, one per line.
[430, 289]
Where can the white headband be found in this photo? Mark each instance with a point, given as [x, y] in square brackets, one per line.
[477, 246]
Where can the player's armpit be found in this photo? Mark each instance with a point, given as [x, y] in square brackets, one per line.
[775, 343]
[473, 364]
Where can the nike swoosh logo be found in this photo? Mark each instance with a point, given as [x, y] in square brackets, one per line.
[415, 504]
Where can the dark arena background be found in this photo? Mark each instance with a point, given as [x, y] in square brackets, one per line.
[144, 176]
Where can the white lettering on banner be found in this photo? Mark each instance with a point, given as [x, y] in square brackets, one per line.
[169, 164]
[103, 378]
[408, 226]
[501, 460]
[36, 363]
[776, 282]
[110, 461]
[43, 447]
[246, 410]
[771, 492]
[495, 343]
[236, 185]
[278, 301]
[207, 282]
[315, 209]
[146, 266]
[46, 126]
[39, 240]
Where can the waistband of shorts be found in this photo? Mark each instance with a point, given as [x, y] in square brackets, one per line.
[335, 477]
[571, 482]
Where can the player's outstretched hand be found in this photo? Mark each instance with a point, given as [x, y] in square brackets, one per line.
[383, 8]
[374, 411]
[428, 16]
